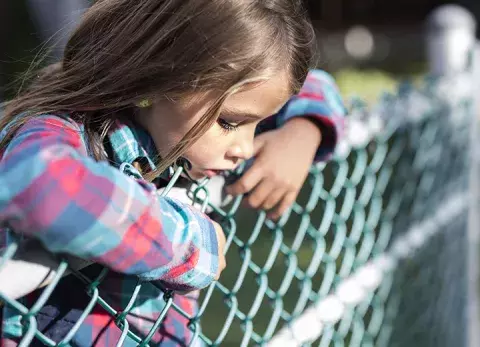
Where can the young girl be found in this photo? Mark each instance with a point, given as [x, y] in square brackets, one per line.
[151, 84]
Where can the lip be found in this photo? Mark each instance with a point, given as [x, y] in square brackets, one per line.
[213, 172]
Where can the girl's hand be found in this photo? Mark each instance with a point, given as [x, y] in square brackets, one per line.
[282, 161]
[222, 263]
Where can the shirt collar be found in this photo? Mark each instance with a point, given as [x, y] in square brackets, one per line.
[130, 143]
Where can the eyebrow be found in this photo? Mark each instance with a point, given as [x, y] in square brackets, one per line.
[240, 114]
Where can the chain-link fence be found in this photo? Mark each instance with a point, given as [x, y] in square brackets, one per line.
[373, 253]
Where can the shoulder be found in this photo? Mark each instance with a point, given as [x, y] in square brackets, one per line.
[52, 122]
[320, 76]
[47, 127]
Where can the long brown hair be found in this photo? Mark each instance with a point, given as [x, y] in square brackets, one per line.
[126, 50]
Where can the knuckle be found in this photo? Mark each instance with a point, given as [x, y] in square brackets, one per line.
[287, 184]
[268, 172]
[234, 188]
[269, 204]
[273, 176]
[242, 187]
[272, 205]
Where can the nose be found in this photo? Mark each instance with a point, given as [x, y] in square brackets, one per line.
[240, 150]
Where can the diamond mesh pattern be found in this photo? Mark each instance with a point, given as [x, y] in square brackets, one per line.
[379, 201]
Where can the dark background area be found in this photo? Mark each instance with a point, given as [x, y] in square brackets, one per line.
[396, 28]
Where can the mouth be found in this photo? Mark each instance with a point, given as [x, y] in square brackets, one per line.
[212, 172]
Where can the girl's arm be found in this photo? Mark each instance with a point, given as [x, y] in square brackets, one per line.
[320, 101]
[51, 190]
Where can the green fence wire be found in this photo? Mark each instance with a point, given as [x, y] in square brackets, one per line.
[373, 252]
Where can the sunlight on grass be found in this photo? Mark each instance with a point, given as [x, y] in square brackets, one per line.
[369, 84]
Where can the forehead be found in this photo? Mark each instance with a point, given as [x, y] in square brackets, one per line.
[262, 99]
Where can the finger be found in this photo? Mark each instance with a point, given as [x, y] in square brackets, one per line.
[222, 264]
[247, 182]
[221, 238]
[286, 202]
[273, 199]
[260, 193]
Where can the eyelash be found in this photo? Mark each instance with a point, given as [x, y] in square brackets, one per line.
[226, 125]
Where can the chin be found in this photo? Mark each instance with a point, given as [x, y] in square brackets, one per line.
[196, 175]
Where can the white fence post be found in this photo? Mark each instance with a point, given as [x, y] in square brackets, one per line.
[452, 50]
[474, 218]
[450, 40]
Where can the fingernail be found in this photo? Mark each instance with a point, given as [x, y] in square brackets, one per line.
[272, 217]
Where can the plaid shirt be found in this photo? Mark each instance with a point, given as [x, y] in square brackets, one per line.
[54, 191]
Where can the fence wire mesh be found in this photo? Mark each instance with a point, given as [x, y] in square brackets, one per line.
[373, 252]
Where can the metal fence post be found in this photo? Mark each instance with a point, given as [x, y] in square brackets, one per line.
[452, 50]
[450, 40]
[474, 218]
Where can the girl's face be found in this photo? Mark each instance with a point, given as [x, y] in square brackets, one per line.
[230, 140]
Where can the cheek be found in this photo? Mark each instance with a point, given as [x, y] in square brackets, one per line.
[166, 133]
[210, 148]
[165, 141]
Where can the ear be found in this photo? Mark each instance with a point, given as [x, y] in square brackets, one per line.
[145, 103]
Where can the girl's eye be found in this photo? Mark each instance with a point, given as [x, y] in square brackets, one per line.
[226, 125]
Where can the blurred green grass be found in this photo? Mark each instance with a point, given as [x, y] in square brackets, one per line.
[369, 84]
